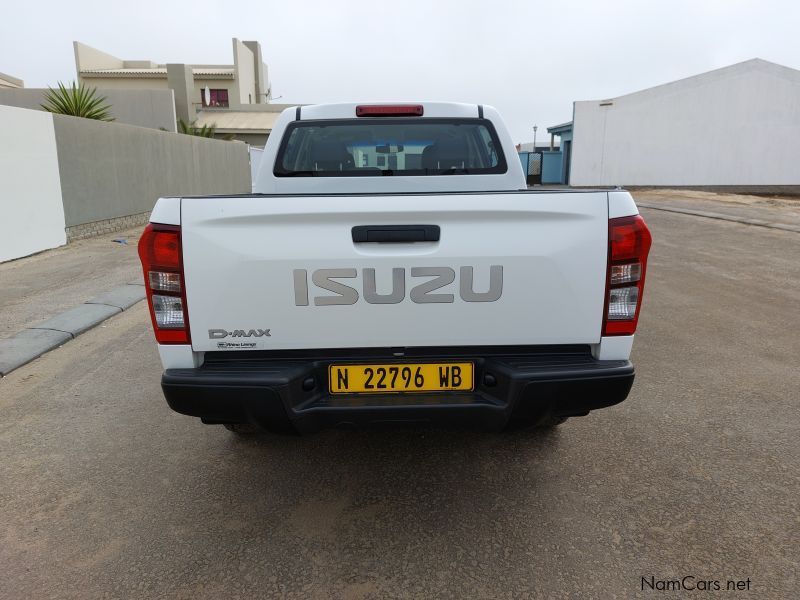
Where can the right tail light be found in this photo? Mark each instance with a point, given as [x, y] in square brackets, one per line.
[629, 242]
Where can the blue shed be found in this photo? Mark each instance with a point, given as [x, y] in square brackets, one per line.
[555, 167]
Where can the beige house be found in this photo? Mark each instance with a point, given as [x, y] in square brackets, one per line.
[233, 97]
[9, 82]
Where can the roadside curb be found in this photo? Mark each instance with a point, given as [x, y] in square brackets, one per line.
[33, 341]
[723, 217]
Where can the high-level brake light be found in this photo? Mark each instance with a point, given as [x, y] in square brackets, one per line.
[160, 254]
[389, 110]
[629, 242]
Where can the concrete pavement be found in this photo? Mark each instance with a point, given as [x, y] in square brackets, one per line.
[106, 493]
[775, 213]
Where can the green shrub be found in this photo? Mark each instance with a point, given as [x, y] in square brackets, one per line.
[77, 101]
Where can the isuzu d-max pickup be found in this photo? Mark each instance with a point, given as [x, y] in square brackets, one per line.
[393, 267]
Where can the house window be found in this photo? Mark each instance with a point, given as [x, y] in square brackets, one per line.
[216, 97]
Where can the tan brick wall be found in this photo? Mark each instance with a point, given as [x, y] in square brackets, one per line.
[87, 230]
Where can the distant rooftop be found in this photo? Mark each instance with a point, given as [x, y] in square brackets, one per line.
[233, 121]
[94, 63]
[160, 72]
[560, 128]
[7, 81]
[734, 70]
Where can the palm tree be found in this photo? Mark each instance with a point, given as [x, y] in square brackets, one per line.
[77, 101]
[206, 131]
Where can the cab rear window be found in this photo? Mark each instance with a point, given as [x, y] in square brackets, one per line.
[387, 146]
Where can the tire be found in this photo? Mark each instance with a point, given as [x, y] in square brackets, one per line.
[243, 428]
[540, 423]
[551, 422]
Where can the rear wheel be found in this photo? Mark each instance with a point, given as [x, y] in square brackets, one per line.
[543, 423]
[243, 428]
[551, 421]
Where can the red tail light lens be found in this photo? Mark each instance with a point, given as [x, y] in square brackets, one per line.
[164, 247]
[629, 238]
[160, 254]
[390, 110]
[629, 243]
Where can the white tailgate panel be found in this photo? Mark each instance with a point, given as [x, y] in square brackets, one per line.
[240, 254]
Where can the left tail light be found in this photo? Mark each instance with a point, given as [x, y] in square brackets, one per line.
[162, 263]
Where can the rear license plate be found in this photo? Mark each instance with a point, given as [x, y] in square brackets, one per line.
[400, 377]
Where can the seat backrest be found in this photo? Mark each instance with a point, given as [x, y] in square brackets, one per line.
[450, 153]
[330, 155]
[429, 157]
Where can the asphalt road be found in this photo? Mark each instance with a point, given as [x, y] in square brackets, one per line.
[104, 493]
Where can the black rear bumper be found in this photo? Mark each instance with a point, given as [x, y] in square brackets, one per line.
[287, 391]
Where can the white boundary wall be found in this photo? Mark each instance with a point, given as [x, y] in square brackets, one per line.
[255, 163]
[31, 208]
[739, 125]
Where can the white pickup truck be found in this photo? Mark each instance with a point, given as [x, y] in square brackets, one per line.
[393, 267]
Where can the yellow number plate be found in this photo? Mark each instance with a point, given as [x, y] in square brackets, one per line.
[400, 377]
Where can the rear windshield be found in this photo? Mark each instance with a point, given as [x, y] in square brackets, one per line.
[384, 146]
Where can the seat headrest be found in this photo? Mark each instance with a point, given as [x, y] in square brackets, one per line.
[329, 150]
[331, 155]
[445, 154]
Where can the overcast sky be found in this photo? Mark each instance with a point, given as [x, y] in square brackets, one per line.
[530, 59]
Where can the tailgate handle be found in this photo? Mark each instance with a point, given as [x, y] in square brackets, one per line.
[395, 234]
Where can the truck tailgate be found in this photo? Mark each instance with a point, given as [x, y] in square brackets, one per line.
[253, 266]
